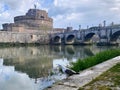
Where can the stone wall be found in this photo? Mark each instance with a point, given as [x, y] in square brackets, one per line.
[20, 37]
[36, 24]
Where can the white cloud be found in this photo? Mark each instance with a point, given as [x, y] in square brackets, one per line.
[93, 11]
[74, 16]
[11, 8]
[114, 8]
[70, 4]
[14, 80]
[69, 19]
[5, 14]
[84, 12]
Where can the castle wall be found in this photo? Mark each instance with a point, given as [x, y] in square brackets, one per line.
[34, 19]
[36, 24]
[30, 28]
[17, 37]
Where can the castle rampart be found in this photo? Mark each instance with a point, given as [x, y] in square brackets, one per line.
[34, 19]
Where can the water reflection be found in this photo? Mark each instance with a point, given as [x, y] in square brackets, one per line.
[33, 67]
[35, 64]
[11, 80]
[38, 61]
[71, 52]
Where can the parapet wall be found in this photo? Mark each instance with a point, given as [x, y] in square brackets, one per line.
[18, 37]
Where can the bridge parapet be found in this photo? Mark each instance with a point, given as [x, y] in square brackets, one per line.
[107, 34]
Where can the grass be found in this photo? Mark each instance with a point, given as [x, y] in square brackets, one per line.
[109, 80]
[82, 64]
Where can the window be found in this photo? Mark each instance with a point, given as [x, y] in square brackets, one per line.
[42, 17]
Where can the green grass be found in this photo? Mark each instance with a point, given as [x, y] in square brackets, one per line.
[82, 64]
[109, 80]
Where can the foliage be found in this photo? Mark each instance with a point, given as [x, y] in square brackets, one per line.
[82, 64]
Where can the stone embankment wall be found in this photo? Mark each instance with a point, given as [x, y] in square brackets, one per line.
[23, 37]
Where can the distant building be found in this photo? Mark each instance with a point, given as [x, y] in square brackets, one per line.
[62, 30]
[58, 30]
[34, 20]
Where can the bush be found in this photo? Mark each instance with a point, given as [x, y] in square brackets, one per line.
[82, 64]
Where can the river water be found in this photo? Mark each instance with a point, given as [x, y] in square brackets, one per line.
[35, 68]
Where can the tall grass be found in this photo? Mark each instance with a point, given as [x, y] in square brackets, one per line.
[82, 64]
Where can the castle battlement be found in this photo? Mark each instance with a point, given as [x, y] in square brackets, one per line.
[34, 19]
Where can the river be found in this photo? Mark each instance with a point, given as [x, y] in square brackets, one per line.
[34, 68]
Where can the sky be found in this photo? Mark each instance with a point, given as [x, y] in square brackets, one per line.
[65, 12]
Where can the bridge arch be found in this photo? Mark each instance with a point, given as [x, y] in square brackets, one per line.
[115, 36]
[89, 36]
[57, 40]
[70, 38]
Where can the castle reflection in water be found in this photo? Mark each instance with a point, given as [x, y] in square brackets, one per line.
[38, 61]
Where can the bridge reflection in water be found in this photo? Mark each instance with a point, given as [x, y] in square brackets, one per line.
[38, 62]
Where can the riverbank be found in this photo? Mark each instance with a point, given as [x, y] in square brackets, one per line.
[109, 80]
[82, 64]
[76, 81]
[19, 44]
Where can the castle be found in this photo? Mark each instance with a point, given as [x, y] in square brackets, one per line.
[33, 27]
[34, 20]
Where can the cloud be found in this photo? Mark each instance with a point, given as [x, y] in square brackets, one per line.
[14, 80]
[18, 4]
[84, 12]
[69, 19]
[92, 12]
[11, 8]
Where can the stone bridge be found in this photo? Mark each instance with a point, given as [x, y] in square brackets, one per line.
[101, 35]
